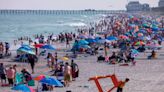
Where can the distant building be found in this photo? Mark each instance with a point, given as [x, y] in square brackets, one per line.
[135, 6]
[161, 3]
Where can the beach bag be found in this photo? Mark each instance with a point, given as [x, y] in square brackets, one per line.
[31, 83]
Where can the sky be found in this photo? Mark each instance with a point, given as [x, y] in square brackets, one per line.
[70, 4]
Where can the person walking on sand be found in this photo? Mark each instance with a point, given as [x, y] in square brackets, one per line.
[31, 60]
[121, 85]
[67, 74]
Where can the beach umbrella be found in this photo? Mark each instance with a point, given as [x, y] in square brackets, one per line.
[83, 42]
[123, 37]
[155, 28]
[102, 41]
[91, 40]
[142, 31]
[27, 46]
[48, 47]
[103, 33]
[40, 77]
[146, 25]
[51, 81]
[38, 45]
[26, 50]
[23, 88]
[64, 58]
[140, 34]
[112, 38]
[139, 43]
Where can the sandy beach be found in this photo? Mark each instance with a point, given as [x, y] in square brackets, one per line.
[145, 76]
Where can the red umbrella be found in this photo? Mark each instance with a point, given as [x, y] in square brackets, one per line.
[123, 37]
[38, 45]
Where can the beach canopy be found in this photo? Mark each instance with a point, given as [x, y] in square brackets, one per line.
[48, 47]
[23, 88]
[51, 81]
[26, 50]
[112, 38]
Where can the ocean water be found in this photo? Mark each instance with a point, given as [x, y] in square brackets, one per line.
[14, 26]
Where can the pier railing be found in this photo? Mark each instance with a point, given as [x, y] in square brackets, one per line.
[58, 12]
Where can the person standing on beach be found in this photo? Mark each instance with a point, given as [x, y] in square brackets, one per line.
[121, 85]
[36, 49]
[7, 46]
[31, 60]
[1, 48]
[2, 73]
[75, 70]
[10, 75]
[67, 74]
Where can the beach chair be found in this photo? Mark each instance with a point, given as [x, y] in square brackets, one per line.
[113, 77]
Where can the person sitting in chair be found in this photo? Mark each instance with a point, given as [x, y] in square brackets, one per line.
[153, 55]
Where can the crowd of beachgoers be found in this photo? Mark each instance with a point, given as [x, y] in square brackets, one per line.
[131, 34]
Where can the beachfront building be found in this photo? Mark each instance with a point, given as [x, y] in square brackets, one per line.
[161, 3]
[135, 6]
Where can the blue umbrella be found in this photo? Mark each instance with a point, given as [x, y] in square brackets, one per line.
[155, 28]
[112, 38]
[51, 81]
[91, 40]
[83, 42]
[47, 46]
[26, 50]
[22, 87]
[101, 41]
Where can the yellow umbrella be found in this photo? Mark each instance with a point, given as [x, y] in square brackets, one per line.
[65, 58]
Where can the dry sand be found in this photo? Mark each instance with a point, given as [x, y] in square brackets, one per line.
[145, 76]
